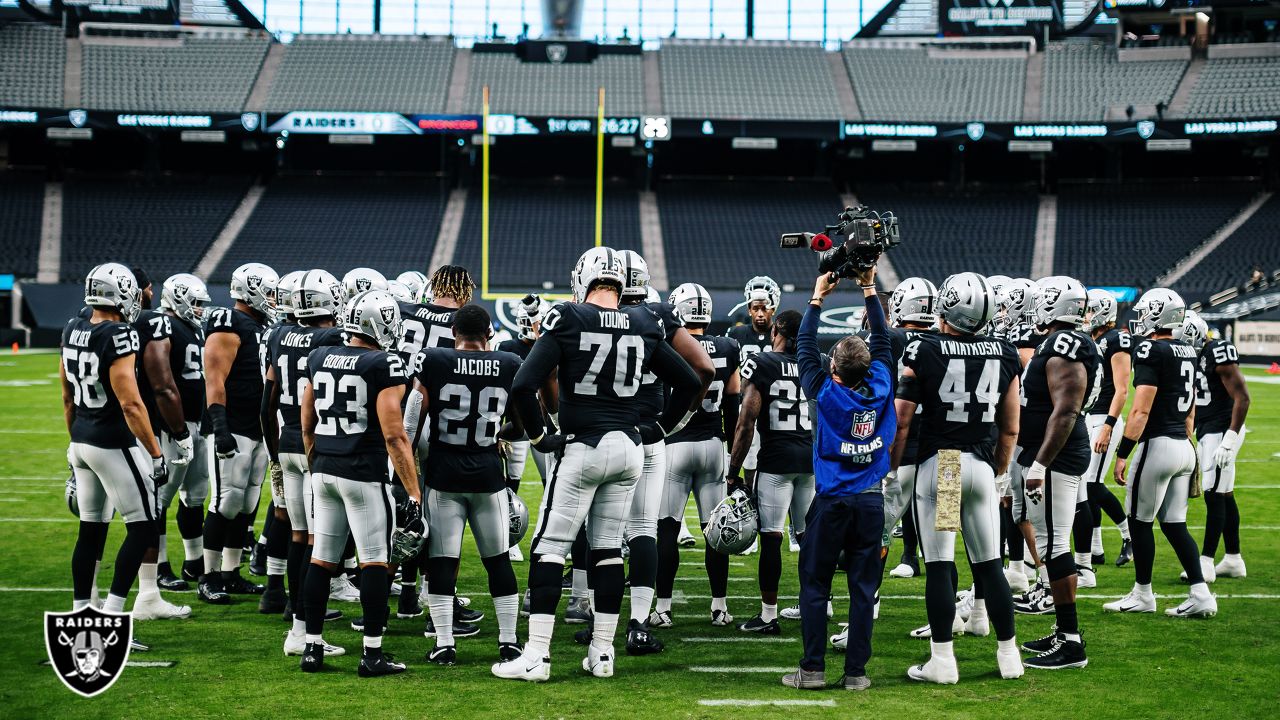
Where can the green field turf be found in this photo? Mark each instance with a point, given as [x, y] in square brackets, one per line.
[229, 664]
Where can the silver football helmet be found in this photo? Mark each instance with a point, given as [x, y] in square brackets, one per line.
[529, 314]
[358, 280]
[966, 303]
[1018, 300]
[254, 284]
[185, 295]
[1158, 309]
[374, 314]
[1102, 309]
[113, 285]
[635, 276]
[415, 281]
[733, 525]
[763, 287]
[1194, 331]
[284, 292]
[400, 291]
[518, 517]
[597, 265]
[318, 294]
[912, 301]
[997, 283]
[692, 303]
[1061, 299]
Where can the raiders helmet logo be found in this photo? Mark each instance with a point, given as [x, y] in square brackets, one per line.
[1146, 129]
[249, 121]
[864, 424]
[388, 314]
[78, 117]
[88, 648]
[1155, 308]
[363, 284]
[975, 131]
[253, 283]
[1051, 296]
[950, 298]
[557, 52]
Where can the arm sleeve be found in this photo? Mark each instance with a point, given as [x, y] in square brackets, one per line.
[679, 377]
[812, 375]
[878, 341]
[542, 361]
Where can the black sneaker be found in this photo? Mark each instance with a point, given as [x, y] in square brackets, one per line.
[192, 570]
[287, 613]
[758, 625]
[1126, 553]
[1044, 644]
[375, 663]
[211, 590]
[272, 601]
[249, 540]
[640, 641]
[464, 614]
[408, 606]
[312, 657]
[583, 637]
[1064, 654]
[237, 585]
[443, 655]
[168, 581]
[357, 624]
[1099, 559]
[331, 615]
[460, 629]
[509, 651]
[566, 580]
[258, 560]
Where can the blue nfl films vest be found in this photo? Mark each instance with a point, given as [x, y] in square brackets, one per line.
[854, 431]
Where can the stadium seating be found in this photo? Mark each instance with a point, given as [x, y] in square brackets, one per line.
[1237, 87]
[555, 89]
[387, 223]
[374, 73]
[21, 204]
[720, 234]
[190, 74]
[990, 231]
[40, 53]
[750, 80]
[1083, 79]
[915, 85]
[163, 225]
[1130, 234]
[537, 231]
[1229, 265]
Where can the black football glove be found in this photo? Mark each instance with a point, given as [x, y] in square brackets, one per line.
[550, 444]
[651, 432]
[223, 442]
[410, 512]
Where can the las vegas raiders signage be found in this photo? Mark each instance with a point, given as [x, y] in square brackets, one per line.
[88, 648]
[998, 17]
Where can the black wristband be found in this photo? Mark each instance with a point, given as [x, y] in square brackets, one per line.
[218, 416]
[1111, 420]
[182, 434]
[1125, 448]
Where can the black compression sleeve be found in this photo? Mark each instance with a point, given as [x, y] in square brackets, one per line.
[267, 418]
[682, 381]
[730, 407]
[542, 361]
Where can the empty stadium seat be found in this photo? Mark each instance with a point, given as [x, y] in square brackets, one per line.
[387, 223]
[555, 89]
[164, 225]
[370, 73]
[186, 74]
[751, 80]
[1083, 79]
[911, 84]
[1237, 87]
[33, 58]
[21, 206]
[1257, 242]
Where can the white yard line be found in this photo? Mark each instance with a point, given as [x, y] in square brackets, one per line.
[729, 702]
[697, 564]
[747, 639]
[735, 670]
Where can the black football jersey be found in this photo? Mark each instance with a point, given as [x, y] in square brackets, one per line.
[88, 350]
[706, 423]
[749, 341]
[959, 380]
[603, 357]
[1112, 342]
[424, 326]
[244, 380]
[652, 395]
[1022, 335]
[1037, 404]
[186, 362]
[516, 347]
[898, 341]
[467, 396]
[287, 352]
[346, 382]
[152, 326]
[786, 431]
[1213, 402]
[1169, 365]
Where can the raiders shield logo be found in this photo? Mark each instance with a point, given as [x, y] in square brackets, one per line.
[557, 52]
[388, 314]
[249, 121]
[1051, 295]
[253, 282]
[88, 648]
[1146, 129]
[975, 131]
[363, 284]
[78, 117]
[864, 424]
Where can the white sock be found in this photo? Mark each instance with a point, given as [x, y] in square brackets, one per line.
[979, 608]
[1097, 541]
[276, 566]
[1084, 560]
[314, 639]
[231, 558]
[1200, 590]
[212, 560]
[1042, 572]
[441, 607]
[147, 579]
[507, 608]
[373, 643]
[663, 605]
[721, 604]
[1233, 557]
[641, 602]
[942, 650]
[163, 550]
[603, 631]
[540, 627]
[299, 627]
[193, 548]
[1008, 646]
[1123, 526]
[349, 563]
[1142, 589]
[77, 604]
[768, 612]
[579, 589]
[114, 603]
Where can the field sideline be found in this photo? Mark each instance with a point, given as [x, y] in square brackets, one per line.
[228, 661]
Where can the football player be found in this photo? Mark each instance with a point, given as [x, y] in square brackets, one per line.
[418, 285]
[774, 404]
[1222, 404]
[362, 279]
[464, 393]
[968, 386]
[315, 302]
[1058, 385]
[1105, 423]
[1018, 302]
[233, 393]
[1159, 426]
[113, 454]
[351, 426]
[529, 313]
[601, 353]
[762, 298]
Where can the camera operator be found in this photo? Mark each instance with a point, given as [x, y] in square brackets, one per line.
[856, 424]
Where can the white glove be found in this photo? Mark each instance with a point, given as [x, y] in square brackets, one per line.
[1227, 449]
[159, 471]
[1002, 484]
[1034, 482]
[186, 450]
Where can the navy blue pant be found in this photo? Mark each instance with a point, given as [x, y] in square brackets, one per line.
[852, 524]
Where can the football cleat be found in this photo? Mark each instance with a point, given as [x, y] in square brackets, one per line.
[331, 615]
[192, 570]
[793, 542]
[530, 669]
[357, 624]
[758, 625]
[840, 641]
[237, 585]
[1064, 654]
[509, 651]
[407, 606]
[978, 624]
[273, 601]
[755, 546]
[941, 670]
[375, 663]
[583, 637]
[897, 531]
[721, 618]
[258, 560]
[1009, 660]
[210, 590]
[464, 614]
[659, 620]
[964, 604]
[297, 645]
[153, 607]
[924, 631]
[640, 641]
[793, 612]
[170, 582]
[443, 655]
[1099, 559]
[341, 589]
[1232, 566]
[905, 570]
[599, 664]
[566, 580]
[460, 629]
[312, 657]
[1134, 602]
[686, 538]
[1126, 553]
[1205, 606]
[1044, 644]
[1036, 601]
[1086, 578]
[579, 612]
[1207, 570]
[137, 646]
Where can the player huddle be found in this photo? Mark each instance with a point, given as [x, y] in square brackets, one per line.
[387, 418]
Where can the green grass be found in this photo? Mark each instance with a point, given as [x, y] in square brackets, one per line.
[229, 661]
